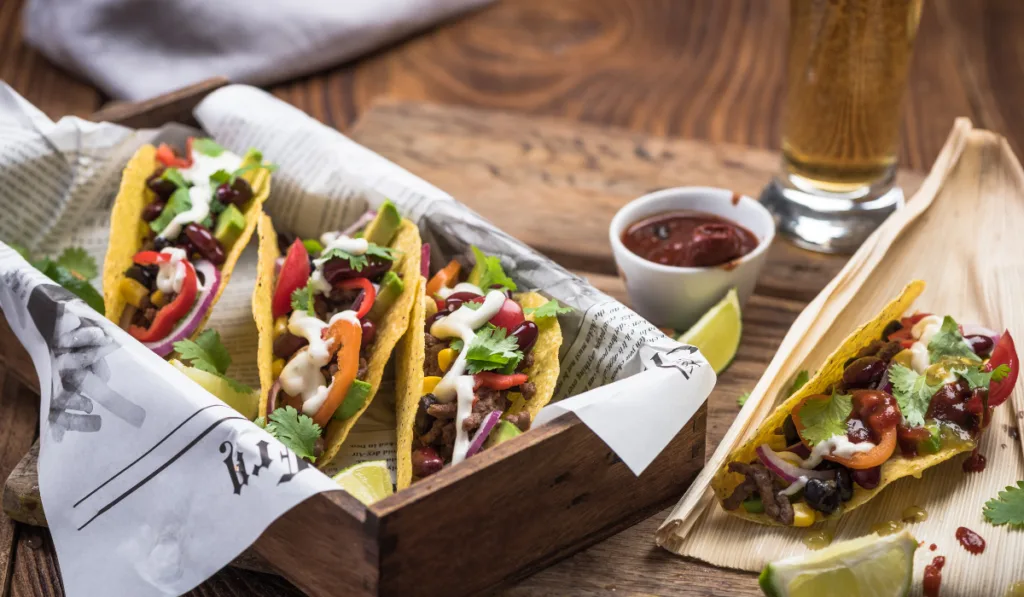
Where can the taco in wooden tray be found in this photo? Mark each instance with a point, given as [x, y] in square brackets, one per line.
[178, 226]
[903, 393]
[478, 363]
[329, 316]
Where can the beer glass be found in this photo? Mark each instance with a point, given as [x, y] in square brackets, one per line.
[847, 70]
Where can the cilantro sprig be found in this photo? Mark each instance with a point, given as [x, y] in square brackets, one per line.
[295, 430]
[548, 309]
[488, 272]
[358, 262]
[949, 343]
[72, 269]
[492, 350]
[912, 392]
[976, 378]
[207, 353]
[826, 417]
[1007, 508]
[302, 298]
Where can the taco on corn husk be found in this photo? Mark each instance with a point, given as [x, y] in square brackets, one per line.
[328, 319]
[178, 226]
[478, 363]
[901, 394]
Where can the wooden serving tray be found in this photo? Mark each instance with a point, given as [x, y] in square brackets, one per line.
[504, 514]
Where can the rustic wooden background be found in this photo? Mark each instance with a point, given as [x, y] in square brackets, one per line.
[708, 70]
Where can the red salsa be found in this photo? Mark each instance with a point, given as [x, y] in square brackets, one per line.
[874, 413]
[688, 238]
[970, 540]
[975, 463]
[933, 576]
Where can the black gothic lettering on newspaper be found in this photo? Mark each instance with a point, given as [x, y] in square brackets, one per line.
[79, 348]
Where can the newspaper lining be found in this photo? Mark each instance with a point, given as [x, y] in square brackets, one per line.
[58, 181]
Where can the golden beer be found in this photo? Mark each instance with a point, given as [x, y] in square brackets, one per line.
[847, 70]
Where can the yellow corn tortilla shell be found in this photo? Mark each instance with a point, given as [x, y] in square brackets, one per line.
[409, 385]
[128, 231]
[770, 431]
[390, 328]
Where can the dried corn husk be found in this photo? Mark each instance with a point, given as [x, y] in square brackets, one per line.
[963, 234]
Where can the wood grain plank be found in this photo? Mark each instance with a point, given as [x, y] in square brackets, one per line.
[19, 415]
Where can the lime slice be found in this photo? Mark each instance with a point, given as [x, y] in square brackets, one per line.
[247, 403]
[718, 332]
[869, 566]
[367, 481]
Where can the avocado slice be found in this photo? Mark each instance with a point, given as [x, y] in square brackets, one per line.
[230, 224]
[502, 433]
[384, 226]
[179, 202]
[355, 399]
[391, 287]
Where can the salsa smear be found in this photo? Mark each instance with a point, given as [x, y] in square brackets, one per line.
[688, 238]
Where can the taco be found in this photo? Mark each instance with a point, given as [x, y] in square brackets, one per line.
[901, 394]
[475, 367]
[178, 226]
[328, 319]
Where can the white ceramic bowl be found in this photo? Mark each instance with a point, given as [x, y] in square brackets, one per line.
[676, 297]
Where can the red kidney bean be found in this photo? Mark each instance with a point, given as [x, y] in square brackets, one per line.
[426, 462]
[153, 210]
[337, 270]
[288, 344]
[981, 345]
[369, 331]
[868, 478]
[237, 193]
[435, 317]
[455, 299]
[508, 293]
[526, 335]
[161, 186]
[864, 372]
[205, 243]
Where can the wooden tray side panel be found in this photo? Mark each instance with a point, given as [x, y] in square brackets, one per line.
[526, 511]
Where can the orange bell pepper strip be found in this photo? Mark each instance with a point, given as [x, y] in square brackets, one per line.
[347, 338]
[444, 278]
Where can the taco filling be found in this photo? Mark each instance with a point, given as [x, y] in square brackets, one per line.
[920, 393]
[479, 341]
[193, 219]
[330, 299]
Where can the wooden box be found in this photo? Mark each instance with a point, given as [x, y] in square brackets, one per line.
[502, 515]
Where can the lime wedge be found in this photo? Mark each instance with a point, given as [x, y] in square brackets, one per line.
[717, 333]
[869, 566]
[247, 403]
[367, 481]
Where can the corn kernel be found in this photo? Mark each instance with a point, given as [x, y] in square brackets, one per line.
[158, 298]
[133, 292]
[430, 305]
[803, 515]
[429, 383]
[791, 458]
[280, 326]
[277, 367]
[445, 358]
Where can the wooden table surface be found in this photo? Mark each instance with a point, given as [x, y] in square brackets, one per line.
[709, 70]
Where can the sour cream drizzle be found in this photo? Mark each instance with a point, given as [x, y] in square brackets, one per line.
[837, 445]
[923, 332]
[201, 192]
[302, 376]
[463, 324]
[171, 275]
[334, 240]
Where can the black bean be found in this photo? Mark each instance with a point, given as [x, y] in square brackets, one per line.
[823, 496]
[789, 429]
[288, 344]
[844, 481]
[142, 275]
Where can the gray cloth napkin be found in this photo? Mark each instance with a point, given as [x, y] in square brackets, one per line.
[134, 49]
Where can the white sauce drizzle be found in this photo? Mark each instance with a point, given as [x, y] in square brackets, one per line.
[171, 275]
[201, 192]
[923, 332]
[302, 376]
[460, 287]
[795, 486]
[837, 445]
[334, 240]
[464, 390]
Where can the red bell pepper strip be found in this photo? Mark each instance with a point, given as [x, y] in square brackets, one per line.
[498, 381]
[171, 313]
[151, 257]
[294, 274]
[165, 155]
[369, 293]
[1005, 353]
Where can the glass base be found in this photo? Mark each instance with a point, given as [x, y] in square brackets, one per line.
[829, 222]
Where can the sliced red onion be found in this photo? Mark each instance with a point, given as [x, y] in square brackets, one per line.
[787, 470]
[486, 426]
[883, 383]
[189, 323]
[358, 225]
[425, 260]
[272, 396]
[973, 329]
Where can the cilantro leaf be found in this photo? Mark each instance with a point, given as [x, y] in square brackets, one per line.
[76, 285]
[493, 350]
[206, 352]
[295, 430]
[825, 418]
[207, 146]
[491, 272]
[22, 250]
[383, 252]
[976, 378]
[949, 343]
[78, 262]
[471, 305]
[548, 309]
[456, 345]
[1008, 508]
[801, 379]
[912, 392]
[356, 262]
[302, 298]
[220, 177]
[174, 175]
[1000, 373]
[743, 398]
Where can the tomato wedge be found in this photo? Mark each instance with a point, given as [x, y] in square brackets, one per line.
[1005, 353]
[861, 460]
[294, 274]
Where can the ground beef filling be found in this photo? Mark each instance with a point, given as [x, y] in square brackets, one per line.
[759, 480]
